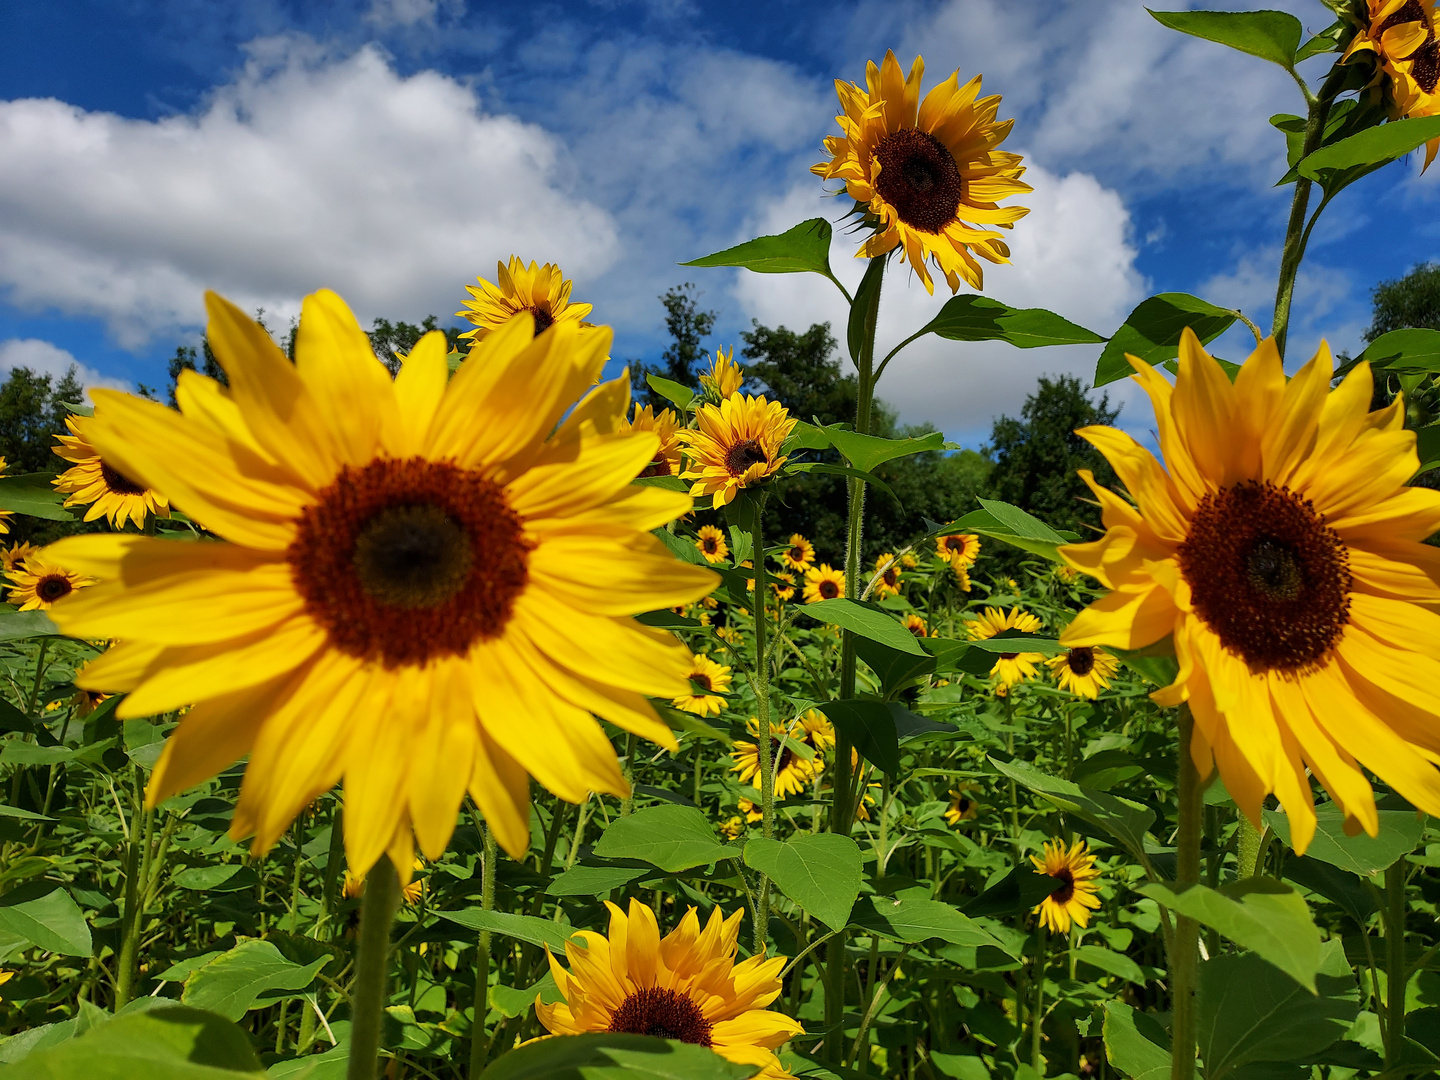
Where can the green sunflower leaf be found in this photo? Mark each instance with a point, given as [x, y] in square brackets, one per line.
[1404, 350]
[610, 1055]
[1270, 35]
[865, 310]
[1340, 164]
[17, 625]
[46, 916]
[1135, 1043]
[249, 976]
[33, 495]
[865, 452]
[805, 248]
[676, 393]
[1002, 521]
[916, 920]
[1152, 332]
[527, 928]
[865, 620]
[1400, 833]
[819, 871]
[672, 837]
[1125, 820]
[979, 318]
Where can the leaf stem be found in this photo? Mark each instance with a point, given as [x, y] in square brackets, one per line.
[479, 1045]
[1396, 972]
[762, 710]
[372, 969]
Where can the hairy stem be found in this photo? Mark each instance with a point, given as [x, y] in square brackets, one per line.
[1185, 958]
[372, 969]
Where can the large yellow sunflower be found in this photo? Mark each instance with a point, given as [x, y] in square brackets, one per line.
[713, 678]
[960, 550]
[711, 542]
[543, 291]
[1402, 35]
[1009, 668]
[793, 773]
[927, 174]
[105, 489]
[1280, 547]
[41, 582]
[799, 555]
[1077, 896]
[664, 424]
[683, 986]
[724, 377]
[887, 576]
[408, 568]
[1084, 670]
[737, 445]
[823, 583]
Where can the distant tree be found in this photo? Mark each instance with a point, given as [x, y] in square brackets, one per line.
[189, 358]
[393, 340]
[32, 413]
[688, 327]
[1036, 456]
[1410, 302]
[801, 370]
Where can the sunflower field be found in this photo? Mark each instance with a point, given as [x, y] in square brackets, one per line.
[468, 720]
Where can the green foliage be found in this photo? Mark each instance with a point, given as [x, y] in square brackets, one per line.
[1409, 302]
[683, 358]
[32, 413]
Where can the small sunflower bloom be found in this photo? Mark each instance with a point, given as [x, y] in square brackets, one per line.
[711, 542]
[15, 555]
[5, 515]
[1401, 35]
[1281, 548]
[793, 773]
[800, 555]
[916, 625]
[542, 291]
[666, 425]
[784, 585]
[1078, 893]
[814, 727]
[887, 576]
[95, 483]
[927, 175]
[86, 702]
[708, 681]
[963, 806]
[42, 582]
[684, 986]
[733, 827]
[736, 445]
[958, 549]
[823, 583]
[429, 546]
[962, 577]
[729, 635]
[751, 809]
[724, 377]
[908, 560]
[1010, 668]
[1084, 670]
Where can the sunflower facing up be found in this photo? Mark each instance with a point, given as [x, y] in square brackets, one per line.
[106, 490]
[1009, 668]
[664, 424]
[793, 772]
[543, 291]
[1282, 549]
[684, 986]
[927, 175]
[1078, 893]
[887, 576]
[800, 555]
[1083, 670]
[708, 680]
[711, 542]
[1401, 35]
[963, 806]
[736, 445]
[41, 582]
[960, 550]
[724, 377]
[430, 546]
[823, 583]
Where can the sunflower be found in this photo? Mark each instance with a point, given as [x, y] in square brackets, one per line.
[1402, 35]
[958, 549]
[814, 727]
[723, 378]
[6, 976]
[1280, 547]
[1067, 575]
[751, 809]
[683, 986]
[410, 892]
[42, 581]
[963, 806]
[1077, 894]
[737, 445]
[1084, 670]
[866, 800]
[784, 585]
[105, 489]
[733, 827]
[962, 577]
[543, 291]
[15, 555]
[1010, 668]
[666, 425]
[5, 515]
[823, 583]
[887, 576]
[432, 548]
[711, 542]
[86, 702]
[793, 773]
[728, 634]
[916, 625]
[800, 555]
[713, 678]
[927, 175]
[908, 561]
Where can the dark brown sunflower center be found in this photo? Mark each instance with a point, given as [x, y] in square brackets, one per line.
[663, 1013]
[743, 455]
[118, 482]
[829, 589]
[798, 554]
[1008, 655]
[53, 587]
[658, 467]
[919, 178]
[1082, 661]
[406, 560]
[543, 319]
[711, 545]
[1410, 11]
[890, 576]
[954, 544]
[702, 680]
[962, 804]
[1425, 65]
[1267, 575]
[1066, 890]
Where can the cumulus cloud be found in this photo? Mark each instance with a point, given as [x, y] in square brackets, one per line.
[307, 170]
[45, 358]
[1073, 254]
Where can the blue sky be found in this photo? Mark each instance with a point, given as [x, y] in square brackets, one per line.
[394, 149]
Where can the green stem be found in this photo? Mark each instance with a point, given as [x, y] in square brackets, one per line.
[627, 804]
[334, 872]
[762, 709]
[1185, 956]
[137, 868]
[372, 969]
[1247, 858]
[1037, 1058]
[1396, 974]
[479, 1045]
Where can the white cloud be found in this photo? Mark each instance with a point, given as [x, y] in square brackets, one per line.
[308, 170]
[1073, 254]
[45, 358]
